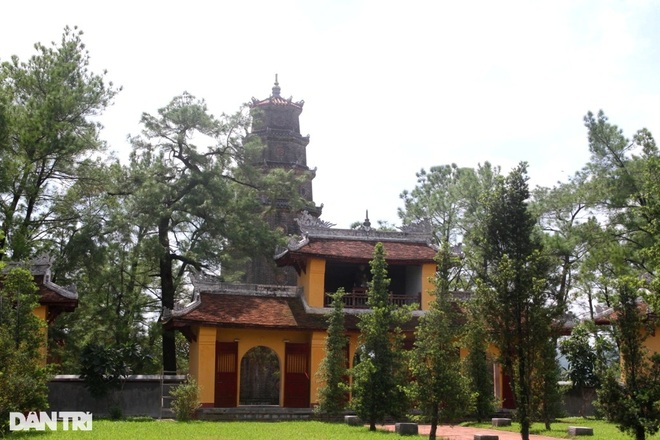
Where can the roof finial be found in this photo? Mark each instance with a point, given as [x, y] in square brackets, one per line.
[276, 87]
[367, 223]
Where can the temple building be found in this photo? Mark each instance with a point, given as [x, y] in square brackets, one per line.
[53, 298]
[262, 342]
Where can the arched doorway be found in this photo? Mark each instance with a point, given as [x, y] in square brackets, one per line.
[260, 377]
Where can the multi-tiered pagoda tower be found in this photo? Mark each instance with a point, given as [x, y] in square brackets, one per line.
[276, 122]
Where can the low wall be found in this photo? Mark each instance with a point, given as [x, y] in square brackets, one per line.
[140, 396]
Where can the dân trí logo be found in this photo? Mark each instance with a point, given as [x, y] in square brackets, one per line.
[39, 421]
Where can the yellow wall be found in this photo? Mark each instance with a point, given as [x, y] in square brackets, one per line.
[41, 312]
[652, 342]
[312, 279]
[317, 356]
[202, 353]
[203, 356]
[193, 356]
[428, 274]
[202, 364]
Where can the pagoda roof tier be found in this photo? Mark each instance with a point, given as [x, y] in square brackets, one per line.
[319, 239]
[276, 100]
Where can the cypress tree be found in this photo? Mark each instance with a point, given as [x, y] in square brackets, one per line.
[380, 375]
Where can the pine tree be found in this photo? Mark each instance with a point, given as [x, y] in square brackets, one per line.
[49, 108]
[631, 397]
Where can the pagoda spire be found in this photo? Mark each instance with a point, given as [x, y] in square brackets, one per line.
[276, 87]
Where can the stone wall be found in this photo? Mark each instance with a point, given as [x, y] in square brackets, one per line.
[139, 396]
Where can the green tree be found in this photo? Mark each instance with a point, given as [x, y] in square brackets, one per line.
[651, 211]
[589, 352]
[48, 110]
[104, 253]
[581, 356]
[622, 264]
[437, 200]
[439, 391]
[547, 399]
[448, 199]
[333, 371]
[631, 397]
[568, 223]
[23, 377]
[513, 291]
[380, 375]
[204, 206]
[478, 365]
[622, 187]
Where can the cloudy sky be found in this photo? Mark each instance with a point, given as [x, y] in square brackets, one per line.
[390, 87]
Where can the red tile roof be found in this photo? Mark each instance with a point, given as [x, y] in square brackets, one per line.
[225, 310]
[258, 311]
[354, 250]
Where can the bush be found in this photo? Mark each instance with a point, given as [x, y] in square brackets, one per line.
[23, 377]
[186, 400]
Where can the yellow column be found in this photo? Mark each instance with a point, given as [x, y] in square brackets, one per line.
[41, 312]
[316, 357]
[428, 274]
[202, 364]
[316, 282]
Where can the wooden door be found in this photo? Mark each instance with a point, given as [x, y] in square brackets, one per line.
[296, 376]
[508, 398]
[226, 374]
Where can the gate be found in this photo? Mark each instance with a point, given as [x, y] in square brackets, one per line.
[226, 374]
[296, 376]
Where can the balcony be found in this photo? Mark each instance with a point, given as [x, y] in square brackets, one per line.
[357, 299]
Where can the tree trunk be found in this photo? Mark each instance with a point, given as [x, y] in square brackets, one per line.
[167, 293]
[169, 351]
[523, 386]
[434, 424]
[524, 428]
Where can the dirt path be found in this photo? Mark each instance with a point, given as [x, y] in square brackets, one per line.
[466, 433]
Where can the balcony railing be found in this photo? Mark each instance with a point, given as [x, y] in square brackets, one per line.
[358, 299]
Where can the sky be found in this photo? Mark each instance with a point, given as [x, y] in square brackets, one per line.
[390, 87]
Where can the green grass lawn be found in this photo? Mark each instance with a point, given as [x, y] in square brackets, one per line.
[162, 430]
[602, 429]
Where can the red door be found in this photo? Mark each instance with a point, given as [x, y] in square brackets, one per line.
[508, 399]
[296, 376]
[226, 374]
